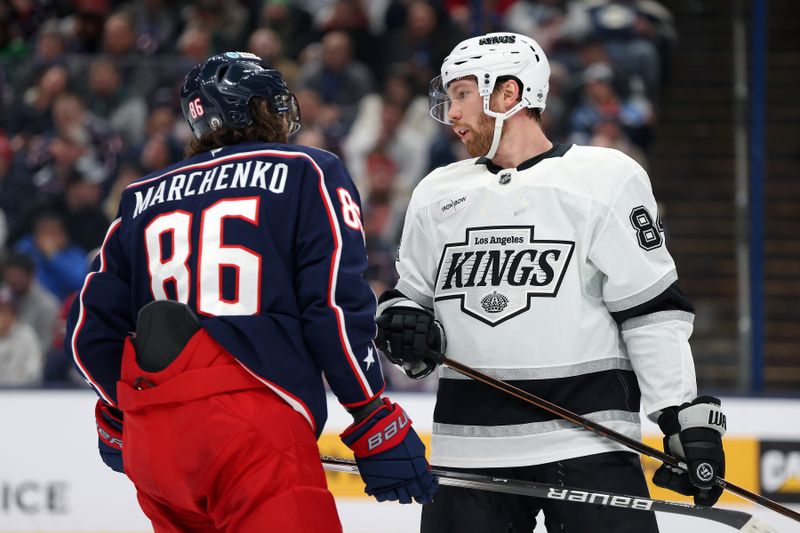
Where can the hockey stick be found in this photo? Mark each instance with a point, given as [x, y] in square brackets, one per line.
[611, 434]
[736, 519]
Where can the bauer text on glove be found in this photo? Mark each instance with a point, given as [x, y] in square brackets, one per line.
[390, 456]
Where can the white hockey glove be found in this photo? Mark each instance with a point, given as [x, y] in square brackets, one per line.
[693, 432]
[410, 336]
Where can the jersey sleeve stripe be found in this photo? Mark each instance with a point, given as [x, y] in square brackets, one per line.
[644, 296]
[82, 316]
[413, 294]
[337, 240]
[657, 318]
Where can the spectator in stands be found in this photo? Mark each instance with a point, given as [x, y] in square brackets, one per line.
[84, 219]
[164, 117]
[21, 360]
[337, 77]
[119, 37]
[608, 132]
[72, 121]
[49, 51]
[34, 305]
[557, 101]
[120, 44]
[130, 170]
[3, 229]
[321, 117]
[311, 137]
[377, 128]
[10, 196]
[194, 44]
[108, 98]
[382, 128]
[156, 22]
[601, 102]
[33, 109]
[351, 17]
[60, 265]
[225, 22]
[79, 142]
[492, 15]
[267, 44]
[421, 44]
[158, 152]
[59, 368]
[541, 18]
[631, 31]
[385, 200]
[445, 149]
[88, 23]
[291, 22]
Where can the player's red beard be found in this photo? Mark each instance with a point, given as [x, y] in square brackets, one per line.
[481, 139]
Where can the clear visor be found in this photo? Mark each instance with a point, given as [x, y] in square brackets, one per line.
[287, 103]
[439, 101]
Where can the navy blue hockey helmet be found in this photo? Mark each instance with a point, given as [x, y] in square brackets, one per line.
[218, 92]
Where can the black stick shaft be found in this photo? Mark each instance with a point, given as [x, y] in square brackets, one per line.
[736, 519]
[611, 434]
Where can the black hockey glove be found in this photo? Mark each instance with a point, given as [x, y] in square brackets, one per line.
[693, 432]
[410, 336]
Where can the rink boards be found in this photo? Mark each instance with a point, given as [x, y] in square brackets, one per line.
[51, 478]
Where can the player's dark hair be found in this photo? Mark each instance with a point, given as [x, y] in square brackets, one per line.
[533, 112]
[267, 127]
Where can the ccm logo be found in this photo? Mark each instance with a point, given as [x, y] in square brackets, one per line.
[389, 431]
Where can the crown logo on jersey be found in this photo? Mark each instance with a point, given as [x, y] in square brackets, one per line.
[494, 303]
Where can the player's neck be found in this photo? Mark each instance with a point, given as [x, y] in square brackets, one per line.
[522, 140]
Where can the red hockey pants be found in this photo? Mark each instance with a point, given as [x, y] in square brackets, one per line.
[211, 449]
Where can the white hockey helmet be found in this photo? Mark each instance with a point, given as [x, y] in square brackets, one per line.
[489, 57]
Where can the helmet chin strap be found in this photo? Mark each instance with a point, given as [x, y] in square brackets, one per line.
[498, 132]
[500, 119]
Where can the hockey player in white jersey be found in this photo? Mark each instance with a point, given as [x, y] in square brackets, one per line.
[547, 267]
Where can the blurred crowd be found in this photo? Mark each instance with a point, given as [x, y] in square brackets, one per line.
[89, 103]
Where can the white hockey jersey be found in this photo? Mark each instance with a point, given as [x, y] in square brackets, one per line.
[553, 276]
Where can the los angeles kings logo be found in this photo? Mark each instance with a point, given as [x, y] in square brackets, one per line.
[497, 270]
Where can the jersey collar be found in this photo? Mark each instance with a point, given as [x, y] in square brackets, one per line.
[557, 150]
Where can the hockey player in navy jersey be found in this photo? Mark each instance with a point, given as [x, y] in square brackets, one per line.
[546, 266]
[240, 271]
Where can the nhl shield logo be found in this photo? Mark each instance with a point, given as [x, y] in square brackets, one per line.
[497, 271]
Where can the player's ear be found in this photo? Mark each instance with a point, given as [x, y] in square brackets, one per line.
[510, 91]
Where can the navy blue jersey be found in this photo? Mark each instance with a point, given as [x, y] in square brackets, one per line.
[265, 243]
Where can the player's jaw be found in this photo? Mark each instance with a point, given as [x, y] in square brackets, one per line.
[476, 137]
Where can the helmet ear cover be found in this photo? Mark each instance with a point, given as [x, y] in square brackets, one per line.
[219, 91]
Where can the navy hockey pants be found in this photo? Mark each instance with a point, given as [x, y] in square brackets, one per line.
[458, 510]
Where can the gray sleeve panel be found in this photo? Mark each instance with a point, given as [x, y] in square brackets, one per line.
[646, 295]
[656, 318]
[422, 299]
